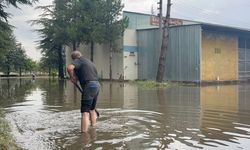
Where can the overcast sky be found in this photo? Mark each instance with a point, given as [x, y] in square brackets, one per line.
[225, 12]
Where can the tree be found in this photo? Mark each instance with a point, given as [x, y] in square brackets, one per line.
[49, 61]
[15, 60]
[67, 22]
[84, 23]
[113, 27]
[89, 22]
[6, 34]
[30, 65]
[6, 39]
[8, 63]
[71, 22]
[19, 59]
[7, 56]
[53, 21]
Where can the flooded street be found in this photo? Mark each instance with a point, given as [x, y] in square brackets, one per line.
[44, 114]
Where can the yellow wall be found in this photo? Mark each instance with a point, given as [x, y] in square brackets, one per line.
[219, 57]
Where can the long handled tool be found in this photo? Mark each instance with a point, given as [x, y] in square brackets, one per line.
[80, 89]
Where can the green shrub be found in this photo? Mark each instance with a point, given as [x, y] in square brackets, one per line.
[152, 84]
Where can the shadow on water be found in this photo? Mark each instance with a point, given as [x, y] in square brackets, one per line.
[44, 114]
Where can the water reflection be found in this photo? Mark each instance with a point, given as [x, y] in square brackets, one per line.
[182, 117]
[222, 117]
[13, 91]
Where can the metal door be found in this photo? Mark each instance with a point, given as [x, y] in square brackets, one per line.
[244, 58]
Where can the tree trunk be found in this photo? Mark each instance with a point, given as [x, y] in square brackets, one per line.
[164, 45]
[110, 61]
[92, 51]
[74, 46]
[20, 71]
[60, 63]
[8, 71]
[162, 59]
[49, 71]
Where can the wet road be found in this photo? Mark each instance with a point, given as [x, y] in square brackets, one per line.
[44, 114]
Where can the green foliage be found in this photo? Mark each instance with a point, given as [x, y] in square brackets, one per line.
[6, 39]
[71, 22]
[16, 60]
[6, 141]
[113, 25]
[87, 19]
[30, 65]
[53, 74]
[54, 21]
[5, 3]
[8, 56]
[19, 57]
[49, 61]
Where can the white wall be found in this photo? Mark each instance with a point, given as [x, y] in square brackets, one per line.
[130, 66]
[130, 55]
[124, 63]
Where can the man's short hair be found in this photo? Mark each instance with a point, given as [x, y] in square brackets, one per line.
[76, 55]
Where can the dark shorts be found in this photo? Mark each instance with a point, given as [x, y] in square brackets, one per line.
[89, 96]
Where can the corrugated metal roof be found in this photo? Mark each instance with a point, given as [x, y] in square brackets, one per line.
[221, 28]
[203, 24]
[211, 27]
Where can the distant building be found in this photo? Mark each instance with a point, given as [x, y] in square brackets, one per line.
[197, 52]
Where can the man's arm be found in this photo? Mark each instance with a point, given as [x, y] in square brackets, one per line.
[70, 69]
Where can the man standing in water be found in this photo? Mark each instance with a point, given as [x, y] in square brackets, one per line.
[85, 71]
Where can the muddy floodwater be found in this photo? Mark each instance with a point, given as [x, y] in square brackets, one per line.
[44, 115]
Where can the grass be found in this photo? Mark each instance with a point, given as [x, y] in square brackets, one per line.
[153, 84]
[6, 140]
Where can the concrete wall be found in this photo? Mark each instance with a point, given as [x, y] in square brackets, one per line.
[218, 56]
[101, 59]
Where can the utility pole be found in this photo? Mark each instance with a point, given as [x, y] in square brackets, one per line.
[160, 20]
[160, 14]
[164, 45]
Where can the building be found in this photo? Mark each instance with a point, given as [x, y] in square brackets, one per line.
[197, 52]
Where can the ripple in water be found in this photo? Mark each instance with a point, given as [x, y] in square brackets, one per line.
[126, 129]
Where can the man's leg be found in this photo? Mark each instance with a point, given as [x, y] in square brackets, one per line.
[93, 117]
[93, 111]
[89, 102]
[85, 122]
